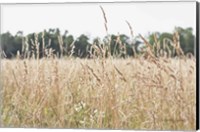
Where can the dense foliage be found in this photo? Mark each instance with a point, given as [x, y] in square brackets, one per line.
[52, 42]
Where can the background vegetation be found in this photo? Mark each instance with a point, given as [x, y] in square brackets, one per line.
[65, 44]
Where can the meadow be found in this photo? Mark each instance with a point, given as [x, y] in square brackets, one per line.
[99, 93]
[152, 90]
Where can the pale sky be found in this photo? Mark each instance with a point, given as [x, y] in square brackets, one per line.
[88, 18]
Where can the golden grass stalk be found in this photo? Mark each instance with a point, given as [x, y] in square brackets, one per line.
[95, 75]
[37, 45]
[60, 42]
[105, 19]
[43, 43]
[149, 47]
[146, 42]
[130, 28]
[132, 36]
[176, 42]
[120, 73]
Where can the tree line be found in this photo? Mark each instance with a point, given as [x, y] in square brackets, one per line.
[52, 43]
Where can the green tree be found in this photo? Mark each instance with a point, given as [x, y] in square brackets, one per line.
[187, 39]
[81, 46]
[11, 44]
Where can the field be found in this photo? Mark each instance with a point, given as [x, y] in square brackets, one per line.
[99, 93]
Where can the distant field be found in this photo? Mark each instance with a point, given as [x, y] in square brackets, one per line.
[100, 93]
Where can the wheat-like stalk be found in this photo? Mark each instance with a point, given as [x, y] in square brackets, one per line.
[105, 19]
[130, 28]
[60, 42]
[43, 43]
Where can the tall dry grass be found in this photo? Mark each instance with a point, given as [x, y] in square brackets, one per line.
[99, 93]
[145, 92]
